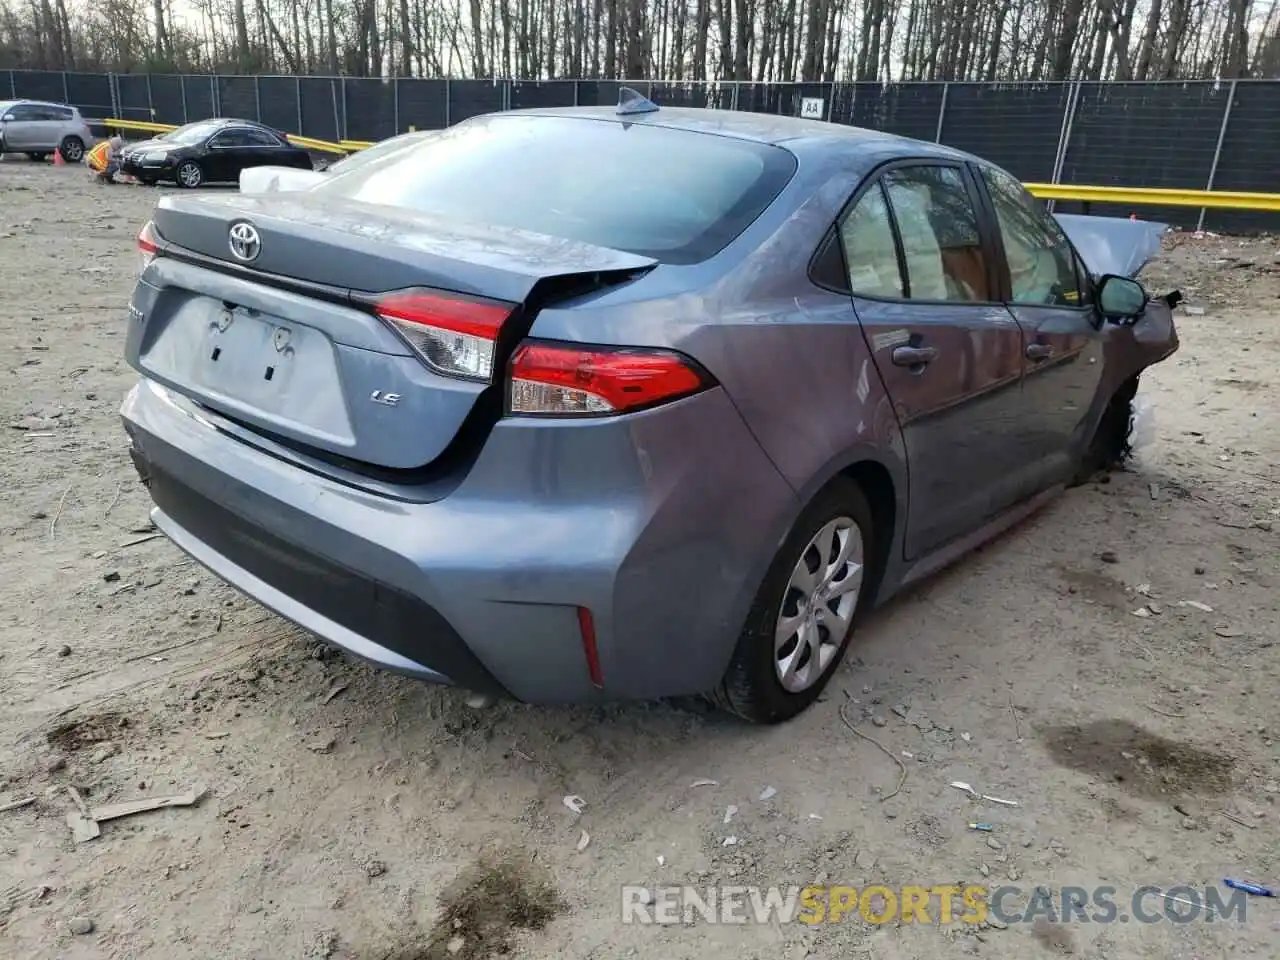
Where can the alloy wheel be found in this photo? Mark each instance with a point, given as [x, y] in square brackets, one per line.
[817, 609]
[189, 174]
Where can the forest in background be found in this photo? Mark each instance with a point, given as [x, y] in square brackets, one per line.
[663, 40]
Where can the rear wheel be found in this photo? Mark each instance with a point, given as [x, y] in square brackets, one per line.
[804, 613]
[72, 149]
[189, 175]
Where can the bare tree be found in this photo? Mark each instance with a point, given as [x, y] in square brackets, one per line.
[662, 40]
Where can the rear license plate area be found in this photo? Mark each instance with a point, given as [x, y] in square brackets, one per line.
[277, 372]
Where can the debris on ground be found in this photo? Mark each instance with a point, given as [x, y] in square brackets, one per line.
[334, 691]
[968, 788]
[80, 926]
[323, 945]
[729, 812]
[373, 867]
[584, 841]
[84, 820]
[902, 767]
[575, 803]
[1253, 889]
[17, 804]
[768, 793]
[704, 782]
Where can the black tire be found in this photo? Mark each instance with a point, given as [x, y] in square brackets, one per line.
[1109, 447]
[189, 165]
[71, 149]
[751, 688]
[37, 157]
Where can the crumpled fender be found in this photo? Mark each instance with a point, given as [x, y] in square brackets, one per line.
[1113, 244]
[1134, 347]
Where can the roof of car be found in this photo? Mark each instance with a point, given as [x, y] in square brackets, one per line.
[761, 127]
[231, 122]
[38, 103]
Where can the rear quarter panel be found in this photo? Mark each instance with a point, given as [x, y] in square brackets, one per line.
[790, 354]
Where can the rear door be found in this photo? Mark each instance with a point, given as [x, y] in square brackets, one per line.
[1050, 297]
[921, 268]
[55, 123]
[262, 148]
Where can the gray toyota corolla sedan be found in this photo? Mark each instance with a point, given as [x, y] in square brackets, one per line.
[599, 403]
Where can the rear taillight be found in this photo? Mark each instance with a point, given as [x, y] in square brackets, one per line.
[148, 244]
[456, 335]
[550, 379]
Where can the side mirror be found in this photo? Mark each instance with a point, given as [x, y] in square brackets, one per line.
[6, 118]
[1121, 298]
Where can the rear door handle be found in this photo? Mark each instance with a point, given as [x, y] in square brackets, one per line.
[1039, 351]
[913, 356]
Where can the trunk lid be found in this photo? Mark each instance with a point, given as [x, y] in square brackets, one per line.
[363, 247]
[289, 343]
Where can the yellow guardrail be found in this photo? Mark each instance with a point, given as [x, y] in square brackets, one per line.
[136, 125]
[356, 144]
[1157, 196]
[307, 143]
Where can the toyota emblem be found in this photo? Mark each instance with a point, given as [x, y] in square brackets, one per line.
[244, 242]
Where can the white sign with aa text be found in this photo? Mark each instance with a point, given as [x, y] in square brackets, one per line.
[811, 107]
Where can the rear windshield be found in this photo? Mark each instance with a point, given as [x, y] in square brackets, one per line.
[674, 195]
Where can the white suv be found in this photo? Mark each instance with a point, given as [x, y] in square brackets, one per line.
[37, 129]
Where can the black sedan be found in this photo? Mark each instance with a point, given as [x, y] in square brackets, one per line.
[210, 151]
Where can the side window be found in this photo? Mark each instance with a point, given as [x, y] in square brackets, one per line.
[63, 114]
[1042, 264]
[941, 242]
[230, 138]
[869, 248]
[260, 138]
[26, 111]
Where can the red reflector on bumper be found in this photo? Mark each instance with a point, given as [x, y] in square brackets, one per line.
[588, 627]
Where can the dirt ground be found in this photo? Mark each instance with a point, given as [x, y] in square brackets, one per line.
[352, 814]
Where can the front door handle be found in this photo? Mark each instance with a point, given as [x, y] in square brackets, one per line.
[1039, 351]
[913, 356]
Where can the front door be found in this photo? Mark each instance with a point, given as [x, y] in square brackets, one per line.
[22, 130]
[921, 267]
[1050, 297]
[226, 155]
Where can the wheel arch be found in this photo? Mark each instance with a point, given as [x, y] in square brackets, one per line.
[881, 473]
[876, 483]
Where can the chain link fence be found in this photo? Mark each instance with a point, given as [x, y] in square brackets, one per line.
[1188, 135]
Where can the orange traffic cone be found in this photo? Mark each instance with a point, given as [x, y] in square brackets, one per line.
[57, 158]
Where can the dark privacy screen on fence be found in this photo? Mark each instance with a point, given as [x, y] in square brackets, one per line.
[1192, 135]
